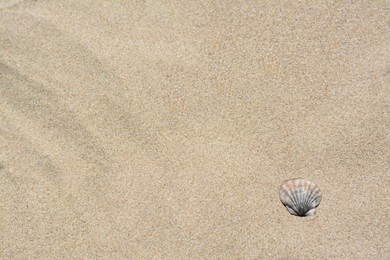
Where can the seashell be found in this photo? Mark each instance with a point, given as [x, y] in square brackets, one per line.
[301, 197]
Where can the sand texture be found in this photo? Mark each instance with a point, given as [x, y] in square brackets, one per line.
[163, 129]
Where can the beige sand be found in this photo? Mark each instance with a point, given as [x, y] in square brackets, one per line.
[163, 130]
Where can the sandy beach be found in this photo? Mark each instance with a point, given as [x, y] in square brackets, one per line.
[164, 129]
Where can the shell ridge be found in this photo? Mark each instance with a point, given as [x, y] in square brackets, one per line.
[291, 189]
[315, 198]
[307, 198]
[310, 197]
[300, 207]
[295, 201]
[300, 194]
[311, 200]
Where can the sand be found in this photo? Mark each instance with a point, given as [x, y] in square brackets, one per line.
[163, 129]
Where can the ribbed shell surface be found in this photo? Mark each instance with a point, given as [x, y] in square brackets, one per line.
[300, 196]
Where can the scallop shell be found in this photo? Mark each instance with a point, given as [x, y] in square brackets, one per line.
[301, 197]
